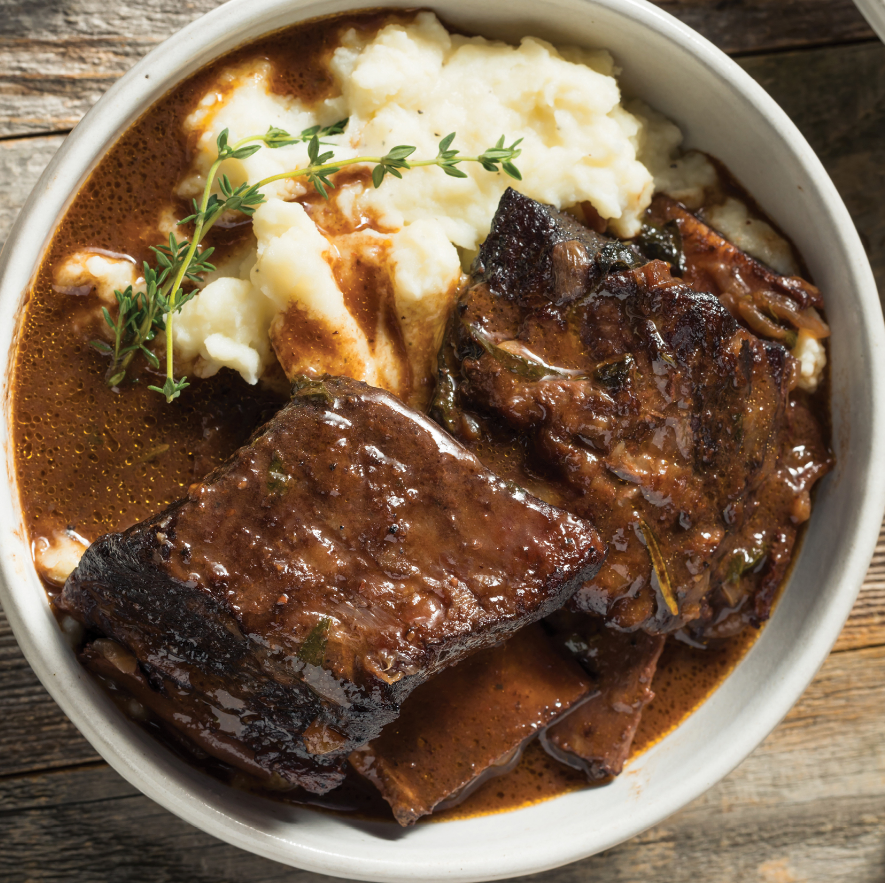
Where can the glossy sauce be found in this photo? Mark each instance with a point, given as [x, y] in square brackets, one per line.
[94, 460]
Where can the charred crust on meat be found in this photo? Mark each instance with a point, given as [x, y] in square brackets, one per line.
[392, 567]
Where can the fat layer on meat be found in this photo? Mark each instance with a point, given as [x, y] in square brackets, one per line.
[285, 608]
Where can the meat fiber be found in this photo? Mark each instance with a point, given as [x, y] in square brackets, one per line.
[590, 375]
[286, 607]
[779, 308]
[754, 294]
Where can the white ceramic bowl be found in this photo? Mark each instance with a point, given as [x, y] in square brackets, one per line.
[722, 111]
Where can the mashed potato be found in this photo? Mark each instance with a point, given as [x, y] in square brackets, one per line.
[408, 84]
[86, 271]
[812, 359]
[413, 84]
[58, 555]
[291, 299]
[686, 177]
[362, 285]
[690, 178]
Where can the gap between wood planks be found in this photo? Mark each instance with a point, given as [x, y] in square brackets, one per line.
[57, 58]
[743, 54]
[29, 136]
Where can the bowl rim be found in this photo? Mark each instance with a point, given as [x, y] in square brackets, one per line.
[160, 778]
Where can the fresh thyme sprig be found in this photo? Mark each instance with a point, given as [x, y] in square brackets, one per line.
[141, 315]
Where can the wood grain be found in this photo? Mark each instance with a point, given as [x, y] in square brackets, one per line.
[764, 25]
[866, 625]
[21, 163]
[837, 99]
[35, 734]
[809, 804]
[57, 56]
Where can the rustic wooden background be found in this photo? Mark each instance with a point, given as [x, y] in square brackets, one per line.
[808, 805]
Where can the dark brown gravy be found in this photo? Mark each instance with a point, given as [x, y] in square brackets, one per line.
[95, 461]
[684, 679]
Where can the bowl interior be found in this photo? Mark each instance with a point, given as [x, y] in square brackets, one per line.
[720, 110]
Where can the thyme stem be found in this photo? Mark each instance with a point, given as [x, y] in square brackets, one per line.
[330, 168]
[140, 315]
[196, 239]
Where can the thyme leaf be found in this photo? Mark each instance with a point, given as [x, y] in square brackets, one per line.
[659, 565]
[171, 388]
[277, 477]
[142, 314]
[313, 650]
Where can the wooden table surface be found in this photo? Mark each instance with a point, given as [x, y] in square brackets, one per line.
[808, 805]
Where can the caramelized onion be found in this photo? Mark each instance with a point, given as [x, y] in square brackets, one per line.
[785, 308]
[321, 739]
[117, 655]
[760, 323]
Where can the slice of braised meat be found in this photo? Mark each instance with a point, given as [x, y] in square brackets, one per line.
[301, 591]
[471, 724]
[596, 736]
[614, 390]
[780, 308]
[202, 723]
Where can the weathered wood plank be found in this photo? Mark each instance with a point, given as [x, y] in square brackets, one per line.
[808, 805]
[866, 625]
[57, 58]
[35, 734]
[763, 25]
[21, 163]
[46, 85]
[837, 99]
